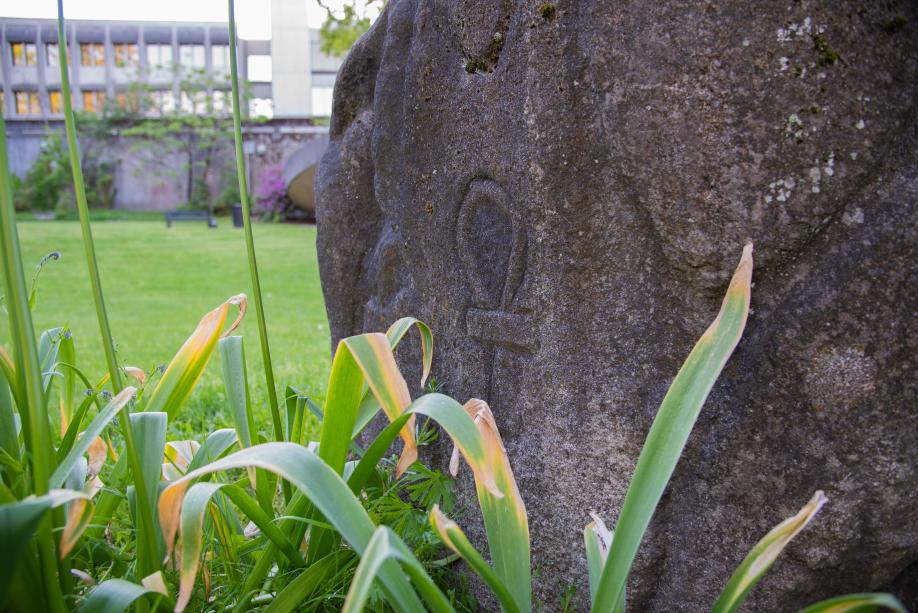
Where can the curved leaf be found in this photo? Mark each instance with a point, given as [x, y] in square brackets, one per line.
[670, 431]
[115, 596]
[18, 523]
[385, 545]
[597, 540]
[186, 367]
[366, 357]
[215, 445]
[763, 555]
[369, 405]
[857, 603]
[96, 426]
[453, 537]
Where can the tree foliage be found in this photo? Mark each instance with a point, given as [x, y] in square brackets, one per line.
[344, 26]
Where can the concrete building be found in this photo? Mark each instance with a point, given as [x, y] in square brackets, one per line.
[289, 76]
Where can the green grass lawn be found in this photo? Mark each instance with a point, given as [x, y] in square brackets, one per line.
[158, 283]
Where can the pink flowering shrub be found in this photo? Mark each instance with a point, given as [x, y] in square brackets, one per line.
[271, 194]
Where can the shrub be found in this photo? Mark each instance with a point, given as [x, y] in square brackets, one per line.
[48, 186]
[272, 192]
[47, 183]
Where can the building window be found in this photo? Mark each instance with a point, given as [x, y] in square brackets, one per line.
[162, 102]
[23, 54]
[259, 68]
[94, 101]
[53, 54]
[55, 102]
[128, 101]
[192, 56]
[222, 101]
[126, 55]
[92, 54]
[261, 107]
[27, 103]
[159, 55]
[322, 101]
[195, 103]
[219, 57]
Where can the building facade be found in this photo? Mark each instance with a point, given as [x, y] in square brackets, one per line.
[288, 76]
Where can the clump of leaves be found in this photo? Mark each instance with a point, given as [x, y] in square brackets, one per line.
[46, 184]
[346, 23]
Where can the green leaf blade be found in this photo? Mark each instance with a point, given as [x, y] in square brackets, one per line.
[670, 430]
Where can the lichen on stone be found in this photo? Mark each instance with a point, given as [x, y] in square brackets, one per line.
[547, 10]
[827, 55]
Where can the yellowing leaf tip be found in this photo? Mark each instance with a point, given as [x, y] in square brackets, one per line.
[135, 373]
[242, 301]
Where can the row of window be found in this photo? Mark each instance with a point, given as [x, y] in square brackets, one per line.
[126, 55]
[27, 103]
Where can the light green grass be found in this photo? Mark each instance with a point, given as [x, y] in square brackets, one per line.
[158, 282]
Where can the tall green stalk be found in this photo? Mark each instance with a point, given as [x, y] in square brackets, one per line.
[148, 562]
[36, 427]
[247, 225]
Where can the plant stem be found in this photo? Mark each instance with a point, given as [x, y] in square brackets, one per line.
[147, 563]
[247, 226]
[36, 429]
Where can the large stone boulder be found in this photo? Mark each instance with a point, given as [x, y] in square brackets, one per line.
[562, 191]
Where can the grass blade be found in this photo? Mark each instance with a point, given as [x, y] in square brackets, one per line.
[375, 452]
[318, 481]
[670, 431]
[232, 357]
[857, 603]
[30, 398]
[385, 545]
[307, 582]
[453, 537]
[9, 436]
[247, 229]
[67, 355]
[763, 555]
[96, 426]
[145, 565]
[265, 523]
[48, 350]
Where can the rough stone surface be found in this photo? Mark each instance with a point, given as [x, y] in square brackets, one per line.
[562, 195]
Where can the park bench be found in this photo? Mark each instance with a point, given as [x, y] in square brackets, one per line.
[191, 215]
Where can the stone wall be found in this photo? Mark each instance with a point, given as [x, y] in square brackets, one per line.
[154, 179]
